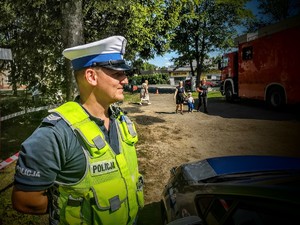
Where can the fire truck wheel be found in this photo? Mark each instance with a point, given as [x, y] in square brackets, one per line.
[229, 94]
[276, 98]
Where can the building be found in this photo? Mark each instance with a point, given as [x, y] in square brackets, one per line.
[178, 74]
[4, 80]
[183, 73]
[5, 54]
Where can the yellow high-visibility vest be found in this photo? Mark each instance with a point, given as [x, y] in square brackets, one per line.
[111, 191]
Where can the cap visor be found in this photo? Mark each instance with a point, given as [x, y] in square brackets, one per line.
[119, 67]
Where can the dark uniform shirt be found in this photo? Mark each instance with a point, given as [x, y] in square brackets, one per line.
[204, 88]
[180, 95]
[53, 153]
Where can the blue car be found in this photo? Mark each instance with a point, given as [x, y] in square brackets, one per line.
[234, 190]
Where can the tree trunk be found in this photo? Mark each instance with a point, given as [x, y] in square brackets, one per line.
[72, 35]
[200, 60]
[199, 71]
[191, 66]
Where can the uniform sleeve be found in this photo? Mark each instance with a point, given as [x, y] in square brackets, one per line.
[40, 160]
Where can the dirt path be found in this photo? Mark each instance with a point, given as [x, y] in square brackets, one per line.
[167, 139]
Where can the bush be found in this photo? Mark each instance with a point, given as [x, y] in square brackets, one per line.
[157, 78]
[12, 104]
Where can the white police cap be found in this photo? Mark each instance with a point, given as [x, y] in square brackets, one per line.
[106, 53]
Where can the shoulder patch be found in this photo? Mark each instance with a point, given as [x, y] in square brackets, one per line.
[52, 119]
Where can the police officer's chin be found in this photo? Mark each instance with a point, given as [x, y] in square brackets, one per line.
[119, 97]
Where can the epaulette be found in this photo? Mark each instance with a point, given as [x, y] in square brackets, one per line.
[52, 119]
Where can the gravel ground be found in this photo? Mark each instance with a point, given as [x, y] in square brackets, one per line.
[167, 139]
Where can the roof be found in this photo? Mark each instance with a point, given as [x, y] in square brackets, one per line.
[270, 29]
[227, 165]
[179, 69]
[5, 54]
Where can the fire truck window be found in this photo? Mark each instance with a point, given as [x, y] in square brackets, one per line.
[247, 53]
[224, 62]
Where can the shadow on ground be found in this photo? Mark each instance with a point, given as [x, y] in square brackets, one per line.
[147, 120]
[150, 215]
[250, 109]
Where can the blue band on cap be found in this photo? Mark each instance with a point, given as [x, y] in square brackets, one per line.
[89, 60]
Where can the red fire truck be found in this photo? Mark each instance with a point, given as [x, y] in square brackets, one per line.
[266, 65]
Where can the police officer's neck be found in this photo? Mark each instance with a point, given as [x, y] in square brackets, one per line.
[97, 110]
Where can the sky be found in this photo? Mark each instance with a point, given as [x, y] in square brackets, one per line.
[164, 60]
[161, 61]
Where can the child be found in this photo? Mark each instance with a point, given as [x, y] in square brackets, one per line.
[190, 102]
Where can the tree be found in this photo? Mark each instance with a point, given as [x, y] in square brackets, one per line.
[271, 11]
[32, 32]
[72, 35]
[206, 26]
[148, 66]
[145, 24]
[38, 31]
[278, 9]
[8, 16]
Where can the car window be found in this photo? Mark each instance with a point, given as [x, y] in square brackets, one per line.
[203, 203]
[262, 212]
[239, 210]
[216, 212]
[213, 208]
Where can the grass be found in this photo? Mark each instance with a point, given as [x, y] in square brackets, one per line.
[211, 94]
[131, 98]
[215, 94]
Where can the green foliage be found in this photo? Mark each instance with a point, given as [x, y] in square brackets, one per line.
[143, 23]
[271, 11]
[278, 9]
[36, 33]
[148, 29]
[12, 105]
[158, 78]
[33, 34]
[148, 67]
[34, 30]
[206, 26]
[139, 65]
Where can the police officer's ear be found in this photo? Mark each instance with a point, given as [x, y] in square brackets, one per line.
[90, 76]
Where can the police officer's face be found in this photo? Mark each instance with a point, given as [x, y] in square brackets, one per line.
[110, 84]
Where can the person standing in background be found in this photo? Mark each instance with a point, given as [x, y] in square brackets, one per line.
[179, 97]
[147, 92]
[202, 90]
[143, 94]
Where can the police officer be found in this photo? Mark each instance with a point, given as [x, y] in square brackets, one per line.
[80, 164]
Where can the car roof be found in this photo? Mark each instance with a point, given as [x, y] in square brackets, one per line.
[230, 165]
